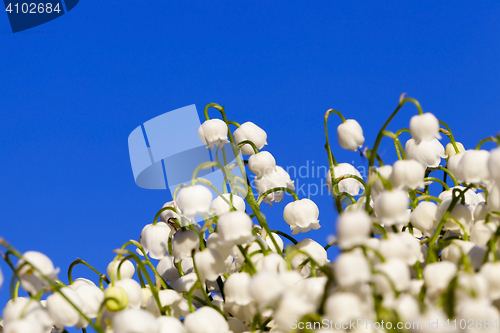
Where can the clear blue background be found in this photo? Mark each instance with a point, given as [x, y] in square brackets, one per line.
[73, 89]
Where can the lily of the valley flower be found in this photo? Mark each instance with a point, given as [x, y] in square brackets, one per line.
[135, 321]
[277, 178]
[237, 288]
[474, 166]
[213, 132]
[423, 216]
[90, 295]
[251, 132]
[62, 312]
[349, 185]
[33, 267]
[219, 206]
[262, 164]
[210, 264]
[353, 228]
[407, 174]
[206, 320]
[184, 243]
[127, 269]
[424, 127]
[154, 240]
[350, 135]
[391, 207]
[235, 228]
[301, 216]
[428, 152]
[193, 200]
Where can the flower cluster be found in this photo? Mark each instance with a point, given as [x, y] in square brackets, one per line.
[413, 249]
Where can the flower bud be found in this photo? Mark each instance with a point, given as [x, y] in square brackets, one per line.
[127, 269]
[450, 150]
[350, 135]
[301, 216]
[193, 200]
[133, 290]
[213, 132]
[116, 298]
[424, 127]
[251, 132]
[262, 164]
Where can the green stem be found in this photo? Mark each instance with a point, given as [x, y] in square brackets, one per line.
[437, 181]
[290, 238]
[491, 138]
[277, 189]
[245, 142]
[81, 261]
[450, 136]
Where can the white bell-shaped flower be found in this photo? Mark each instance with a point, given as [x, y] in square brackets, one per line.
[219, 206]
[266, 288]
[133, 290]
[22, 326]
[170, 325]
[351, 269]
[168, 270]
[167, 214]
[184, 284]
[171, 298]
[236, 325]
[301, 216]
[381, 172]
[403, 246]
[213, 132]
[406, 306]
[62, 312]
[342, 307]
[270, 243]
[437, 276]
[481, 232]
[478, 310]
[450, 149]
[251, 132]
[206, 320]
[262, 164]
[407, 174]
[292, 307]
[474, 166]
[184, 242]
[32, 267]
[460, 213]
[395, 270]
[135, 321]
[235, 228]
[453, 166]
[154, 240]
[350, 135]
[210, 264]
[491, 271]
[90, 295]
[423, 215]
[391, 207]
[127, 269]
[349, 185]
[494, 165]
[428, 152]
[272, 262]
[278, 178]
[314, 250]
[193, 200]
[424, 127]
[353, 228]
[29, 309]
[237, 288]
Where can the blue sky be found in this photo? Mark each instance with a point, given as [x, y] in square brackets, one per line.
[73, 89]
